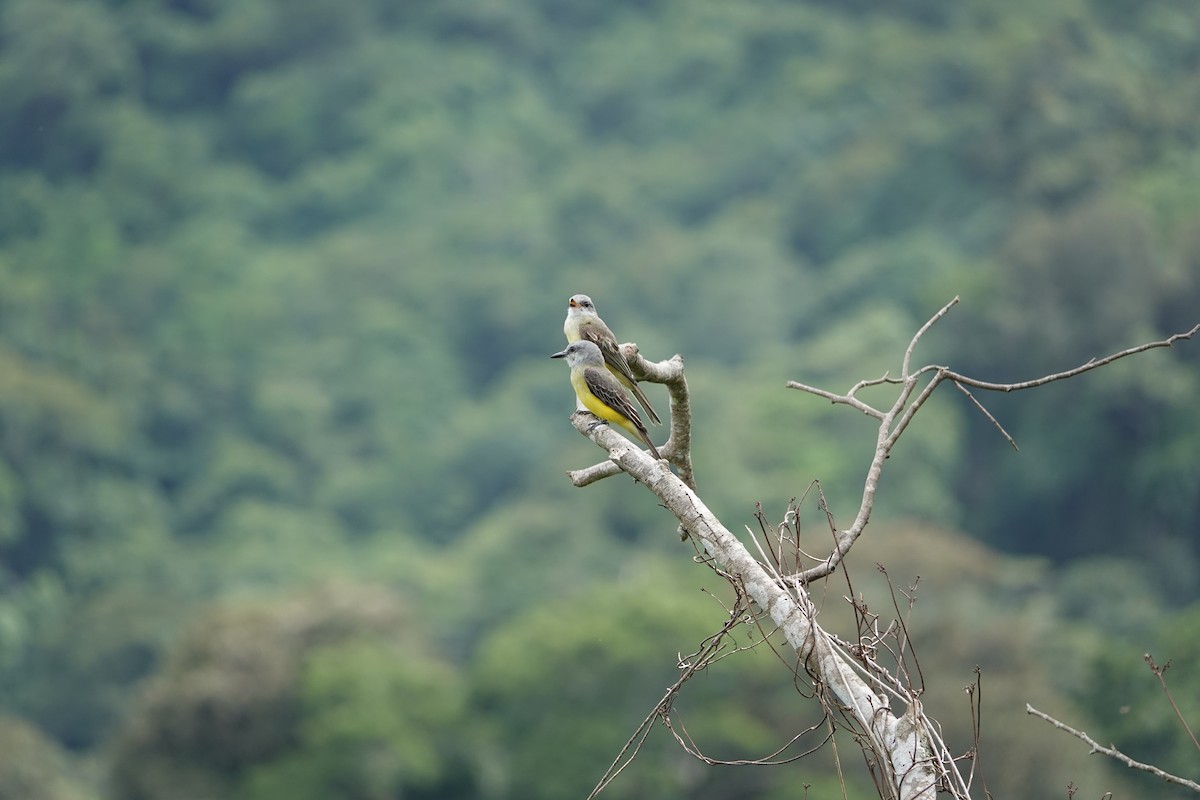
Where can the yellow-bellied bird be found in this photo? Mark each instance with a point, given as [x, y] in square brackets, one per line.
[584, 324]
[600, 392]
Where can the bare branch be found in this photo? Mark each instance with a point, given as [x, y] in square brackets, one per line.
[987, 414]
[845, 399]
[1112, 752]
[596, 472]
[885, 441]
[911, 411]
[1158, 673]
[904, 374]
[1071, 373]
[975, 696]
[896, 420]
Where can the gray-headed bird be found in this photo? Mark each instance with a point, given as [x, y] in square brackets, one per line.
[584, 324]
[600, 392]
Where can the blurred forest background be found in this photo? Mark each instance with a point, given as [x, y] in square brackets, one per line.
[282, 504]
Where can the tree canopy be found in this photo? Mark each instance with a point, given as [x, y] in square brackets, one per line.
[279, 281]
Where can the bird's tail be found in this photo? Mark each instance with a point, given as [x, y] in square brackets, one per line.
[645, 403]
[653, 450]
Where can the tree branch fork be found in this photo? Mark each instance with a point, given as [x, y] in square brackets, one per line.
[917, 764]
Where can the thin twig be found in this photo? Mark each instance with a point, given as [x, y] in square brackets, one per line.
[912, 345]
[696, 662]
[845, 399]
[1112, 752]
[1071, 373]
[896, 419]
[690, 747]
[986, 413]
[1158, 673]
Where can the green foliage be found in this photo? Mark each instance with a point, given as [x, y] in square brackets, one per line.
[35, 767]
[1096, 482]
[280, 280]
[1130, 704]
[376, 721]
[599, 657]
[328, 691]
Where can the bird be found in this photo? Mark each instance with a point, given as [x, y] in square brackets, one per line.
[600, 392]
[584, 324]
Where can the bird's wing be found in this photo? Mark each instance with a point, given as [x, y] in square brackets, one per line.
[603, 338]
[604, 386]
[600, 383]
[599, 334]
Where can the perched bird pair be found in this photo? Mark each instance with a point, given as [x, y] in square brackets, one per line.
[599, 371]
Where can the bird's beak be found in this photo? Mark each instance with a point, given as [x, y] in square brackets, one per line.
[572, 303]
[560, 354]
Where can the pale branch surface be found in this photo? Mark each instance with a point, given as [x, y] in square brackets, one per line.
[903, 744]
[1112, 752]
